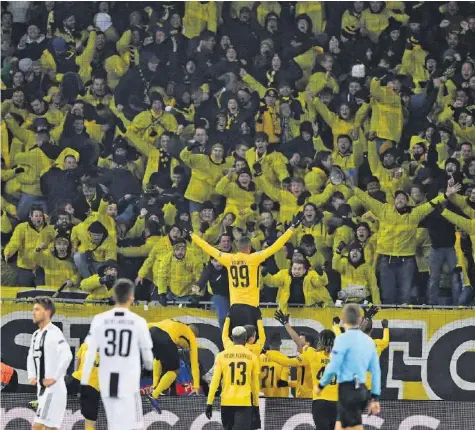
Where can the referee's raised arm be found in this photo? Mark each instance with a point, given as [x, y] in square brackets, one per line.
[353, 355]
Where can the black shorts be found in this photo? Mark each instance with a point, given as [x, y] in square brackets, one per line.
[241, 314]
[324, 414]
[352, 402]
[236, 417]
[89, 402]
[164, 350]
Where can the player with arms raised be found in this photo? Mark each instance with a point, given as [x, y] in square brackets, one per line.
[48, 360]
[244, 273]
[123, 339]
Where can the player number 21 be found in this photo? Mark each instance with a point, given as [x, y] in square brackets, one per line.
[240, 276]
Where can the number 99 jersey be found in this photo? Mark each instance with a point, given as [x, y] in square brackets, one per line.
[122, 338]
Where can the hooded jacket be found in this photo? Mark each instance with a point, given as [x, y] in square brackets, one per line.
[59, 184]
[178, 275]
[205, 174]
[23, 241]
[57, 270]
[314, 288]
[81, 240]
[397, 231]
[361, 275]
[237, 198]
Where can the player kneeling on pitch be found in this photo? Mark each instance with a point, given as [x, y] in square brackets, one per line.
[352, 356]
[48, 360]
[238, 370]
[167, 336]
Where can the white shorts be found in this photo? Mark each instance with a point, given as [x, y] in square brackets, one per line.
[124, 413]
[52, 406]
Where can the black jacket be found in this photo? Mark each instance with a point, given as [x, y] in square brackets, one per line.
[218, 280]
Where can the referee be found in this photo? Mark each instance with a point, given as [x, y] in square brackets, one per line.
[353, 354]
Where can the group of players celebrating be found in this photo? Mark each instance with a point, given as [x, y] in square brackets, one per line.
[331, 369]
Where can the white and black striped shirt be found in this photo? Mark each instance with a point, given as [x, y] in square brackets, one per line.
[49, 356]
[122, 339]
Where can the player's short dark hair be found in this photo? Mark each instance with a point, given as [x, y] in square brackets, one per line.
[351, 314]
[123, 289]
[243, 242]
[326, 340]
[366, 326]
[250, 330]
[47, 303]
[309, 338]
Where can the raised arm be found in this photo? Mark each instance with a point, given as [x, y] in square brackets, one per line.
[467, 225]
[227, 342]
[278, 357]
[278, 244]
[223, 257]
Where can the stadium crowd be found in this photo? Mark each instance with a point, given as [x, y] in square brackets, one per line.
[127, 124]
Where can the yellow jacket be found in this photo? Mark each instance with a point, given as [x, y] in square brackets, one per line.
[198, 17]
[152, 263]
[396, 235]
[178, 275]
[81, 240]
[205, 174]
[96, 290]
[148, 122]
[77, 374]
[339, 125]
[153, 155]
[142, 250]
[389, 183]
[315, 180]
[376, 23]
[237, 198]
[314, 288]
[320, 80]
[7, 209]
[413, 64]
[57, 271]
[288, 202]
[353, 277]
[387, 114]
[273, 165]
[23, 241]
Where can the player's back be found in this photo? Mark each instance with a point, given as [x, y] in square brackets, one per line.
[237, 364]
[319, 362]
[271, 373]
[120, 335]
[244, 278]
[304, 385]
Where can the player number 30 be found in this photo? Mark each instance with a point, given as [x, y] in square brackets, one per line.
[118, 342]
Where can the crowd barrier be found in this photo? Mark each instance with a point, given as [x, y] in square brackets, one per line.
[276, 414]
[431, 354]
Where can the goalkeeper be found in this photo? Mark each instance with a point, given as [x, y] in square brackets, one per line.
[244, 273]
[167, 336]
